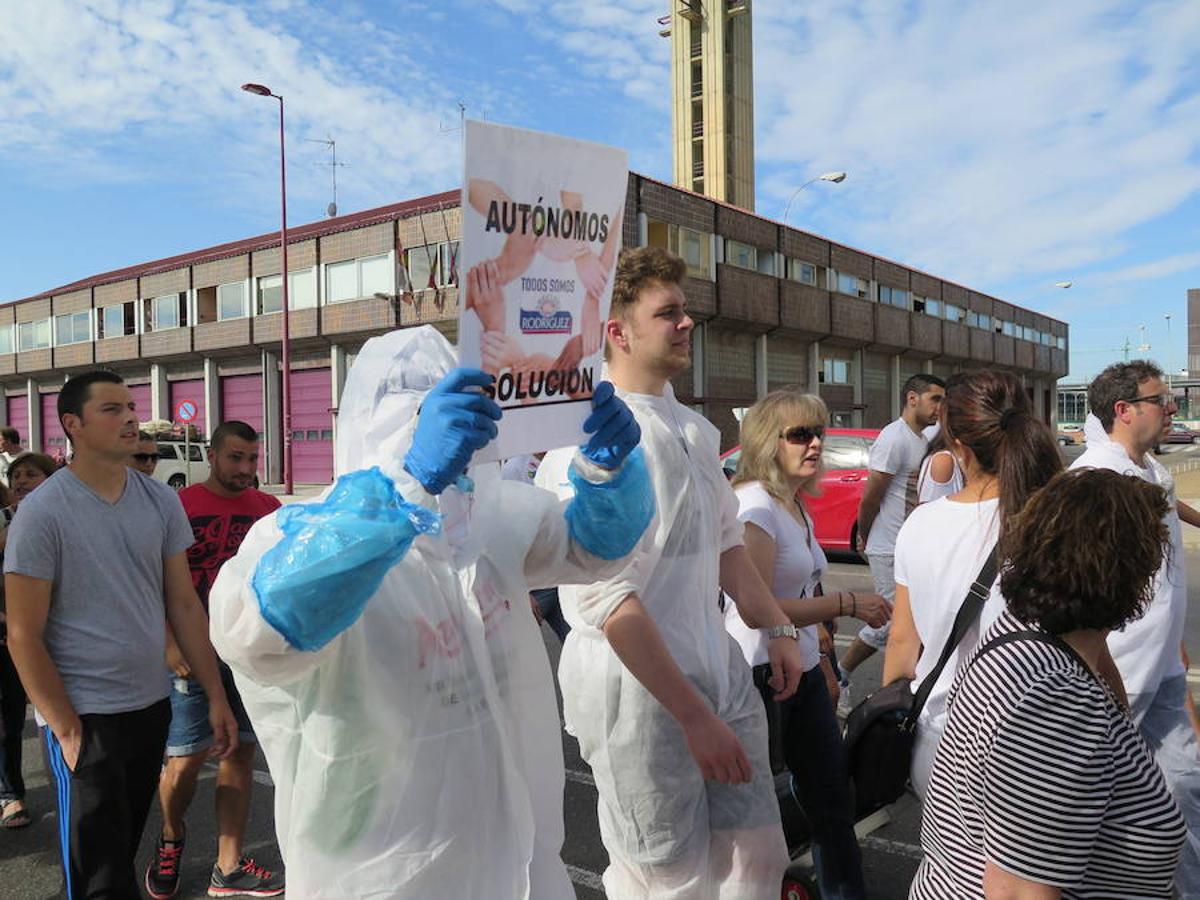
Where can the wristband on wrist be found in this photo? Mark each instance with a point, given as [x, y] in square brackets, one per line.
[841, 604]
[853, 604]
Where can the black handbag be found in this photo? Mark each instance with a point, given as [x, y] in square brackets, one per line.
[881, 729]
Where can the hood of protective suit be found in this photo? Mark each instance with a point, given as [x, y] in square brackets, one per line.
[384, 389]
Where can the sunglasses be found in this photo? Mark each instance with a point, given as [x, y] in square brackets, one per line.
[803, 434]
[145, 457]
[1156, 399]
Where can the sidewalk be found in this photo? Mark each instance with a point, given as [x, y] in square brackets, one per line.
[300, 492]
[1187, 489]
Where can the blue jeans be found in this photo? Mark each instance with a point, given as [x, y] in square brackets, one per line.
[1163, 722]
[812, 748]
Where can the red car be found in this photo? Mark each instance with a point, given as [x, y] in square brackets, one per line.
[835, 513]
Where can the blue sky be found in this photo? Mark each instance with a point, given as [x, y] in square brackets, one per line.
[1005, 146]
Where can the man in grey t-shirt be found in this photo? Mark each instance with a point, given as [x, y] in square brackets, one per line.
[95, 566]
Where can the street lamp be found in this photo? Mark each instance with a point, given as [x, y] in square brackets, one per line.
[835, 177]
[263, 91]
[1167, 353]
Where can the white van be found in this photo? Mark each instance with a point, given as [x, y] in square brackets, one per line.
[181, 464]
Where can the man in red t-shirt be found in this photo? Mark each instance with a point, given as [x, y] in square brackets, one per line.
[221, 511]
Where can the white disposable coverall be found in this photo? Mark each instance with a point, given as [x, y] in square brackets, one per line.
[417, 754]
[668, 832]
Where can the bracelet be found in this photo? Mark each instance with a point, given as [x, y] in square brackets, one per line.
[853, 604]
[841, 604]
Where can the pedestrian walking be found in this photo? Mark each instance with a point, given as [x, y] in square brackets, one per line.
[95, 567]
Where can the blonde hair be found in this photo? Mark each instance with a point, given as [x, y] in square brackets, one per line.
[781, 409]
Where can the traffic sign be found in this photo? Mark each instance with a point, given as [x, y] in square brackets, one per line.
[186, 411]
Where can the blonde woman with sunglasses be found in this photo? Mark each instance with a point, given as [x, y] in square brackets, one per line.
[782, 438]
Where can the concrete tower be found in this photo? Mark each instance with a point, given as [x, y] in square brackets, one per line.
[712, 86]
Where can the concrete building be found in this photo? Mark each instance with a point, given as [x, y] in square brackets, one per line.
[712, 98]
[1193, 332]
[774, 306]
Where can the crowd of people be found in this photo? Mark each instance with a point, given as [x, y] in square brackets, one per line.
[382, 644]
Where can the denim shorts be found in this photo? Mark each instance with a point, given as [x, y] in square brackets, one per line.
[190, 730]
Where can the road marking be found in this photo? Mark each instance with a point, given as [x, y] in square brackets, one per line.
[585, 878]
[260, 777]
[581, 777]
[896, 848]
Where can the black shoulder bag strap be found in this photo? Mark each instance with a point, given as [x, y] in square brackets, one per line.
[968, 613]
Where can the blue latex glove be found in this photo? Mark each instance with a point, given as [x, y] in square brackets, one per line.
[455, 421]
[614, 430]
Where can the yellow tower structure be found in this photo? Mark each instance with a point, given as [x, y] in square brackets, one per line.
[712, 87]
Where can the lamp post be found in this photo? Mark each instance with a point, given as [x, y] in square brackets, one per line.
[1167, 354]
[264, 91]
[835, 177]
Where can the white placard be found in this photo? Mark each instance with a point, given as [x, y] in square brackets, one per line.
[540, 236]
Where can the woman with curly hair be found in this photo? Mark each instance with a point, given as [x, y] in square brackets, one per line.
[780, 463]
[1042, 787]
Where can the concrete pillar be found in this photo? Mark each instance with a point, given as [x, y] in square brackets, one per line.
[643, 230]
[894, 379]
[857, 377]
[33, 440]
[160, 394]
[212, 397]
[338, 369]
[814, 368]
[272, 443]
[698, 365]
[927, 368]
[760, 366]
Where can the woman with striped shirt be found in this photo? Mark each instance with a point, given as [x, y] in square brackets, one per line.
[1042, 788]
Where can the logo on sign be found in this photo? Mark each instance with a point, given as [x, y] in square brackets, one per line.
[546, 319]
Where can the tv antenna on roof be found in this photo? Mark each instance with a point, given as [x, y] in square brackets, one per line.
[334, 165]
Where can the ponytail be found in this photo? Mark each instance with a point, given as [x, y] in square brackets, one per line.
[1028, 458]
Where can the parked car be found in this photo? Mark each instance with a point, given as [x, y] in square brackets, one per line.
[835, 511]
[181, 464]
[1180, 434]
[1070, 434]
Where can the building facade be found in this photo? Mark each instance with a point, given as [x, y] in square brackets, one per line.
[774, 305]
[712, 98]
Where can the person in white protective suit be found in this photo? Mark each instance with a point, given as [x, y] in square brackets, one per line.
[383, 643]
[654, 687]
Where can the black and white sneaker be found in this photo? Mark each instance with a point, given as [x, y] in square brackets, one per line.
[249, 879]
[162, 875]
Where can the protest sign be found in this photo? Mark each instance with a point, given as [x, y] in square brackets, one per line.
[541, 232]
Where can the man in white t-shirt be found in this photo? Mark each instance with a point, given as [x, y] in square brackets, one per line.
[1131, 411]
[10, 449]
[895, 455]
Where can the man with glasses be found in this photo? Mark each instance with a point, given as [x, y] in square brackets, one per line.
[895, 455]
[145, 458]
[1131, 411]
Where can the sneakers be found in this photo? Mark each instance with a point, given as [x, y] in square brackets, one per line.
[162, 875]
[249, 879]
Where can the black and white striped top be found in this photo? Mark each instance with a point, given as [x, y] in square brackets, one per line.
[1040, 772]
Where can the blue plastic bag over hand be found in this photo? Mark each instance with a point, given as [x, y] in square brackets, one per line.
[455, 420]
[614, 430]
[315, 583]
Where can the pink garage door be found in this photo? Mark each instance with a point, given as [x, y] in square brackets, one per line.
[193, 390]
[141, 399]
[54, 439]
[312, 426]
[18, 417]
[242, 399]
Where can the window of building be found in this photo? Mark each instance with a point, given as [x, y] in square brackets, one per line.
[805, 273]
[954, 313]
[852, 285]
[978, 320]
[1047, 339]
[741, 255]
[6, 339]
[893, 296]
[431, 266]
[231, 300]
[375, 276]
[766, 262]
[33, 335]
[170, 310]
[75, 328]
[341, 281]
[837, 370]
[1008, 328]
[302, 291]
[116, 321]
[695, 247]
[1062, 343]
[933, 308]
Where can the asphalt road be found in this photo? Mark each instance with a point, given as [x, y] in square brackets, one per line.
[29, 858]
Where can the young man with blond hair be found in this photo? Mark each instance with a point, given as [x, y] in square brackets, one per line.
[654, 688]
